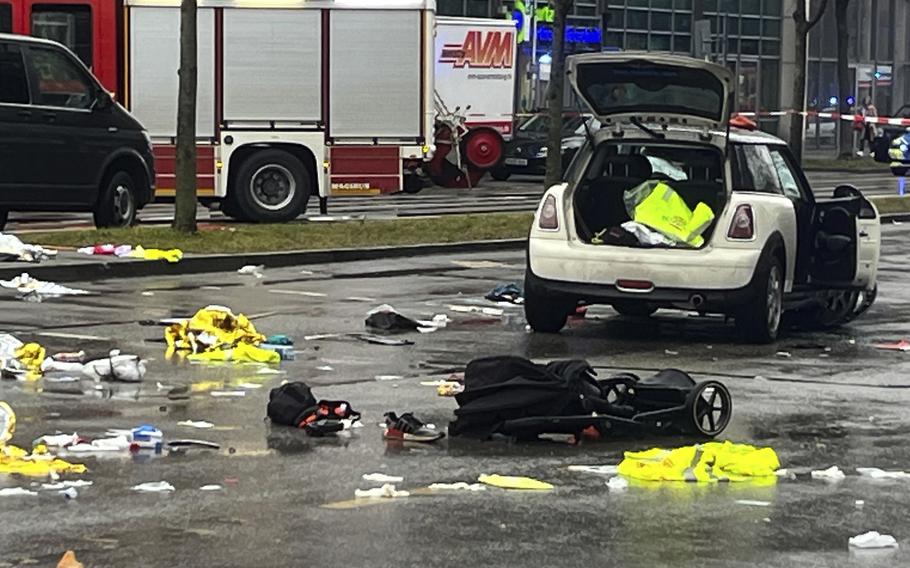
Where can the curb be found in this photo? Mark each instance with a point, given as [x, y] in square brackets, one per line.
[111, 269]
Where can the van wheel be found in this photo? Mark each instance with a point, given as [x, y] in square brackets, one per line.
[272, 186]
[545, 313]
[634, 308]
[759, 320]
[117, 203]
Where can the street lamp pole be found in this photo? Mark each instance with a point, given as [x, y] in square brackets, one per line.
[534, 69]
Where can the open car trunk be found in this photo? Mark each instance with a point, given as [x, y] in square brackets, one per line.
[608, 200]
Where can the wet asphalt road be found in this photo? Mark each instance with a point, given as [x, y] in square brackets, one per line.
[846, 406]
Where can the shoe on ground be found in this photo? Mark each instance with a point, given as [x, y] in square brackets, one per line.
[409, 429]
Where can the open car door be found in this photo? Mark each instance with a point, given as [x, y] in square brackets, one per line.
[652, 88]
[846, 241]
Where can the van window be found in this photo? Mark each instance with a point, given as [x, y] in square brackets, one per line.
[69, 25]
[59, 81]
[13, 84]
[6, 18]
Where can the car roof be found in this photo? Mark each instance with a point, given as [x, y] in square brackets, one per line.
[27, 39]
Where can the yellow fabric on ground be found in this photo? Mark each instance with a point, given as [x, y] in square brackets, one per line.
[38, 463]
[171, 255]
[243, 353]
[665, 211]
[510, 482]
[31, 355]
[220, 324]
[711, 462]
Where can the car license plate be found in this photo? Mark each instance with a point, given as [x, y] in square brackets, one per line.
[516, 162]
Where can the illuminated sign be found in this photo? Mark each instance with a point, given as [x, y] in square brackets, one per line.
[495, 51]
[574, 34]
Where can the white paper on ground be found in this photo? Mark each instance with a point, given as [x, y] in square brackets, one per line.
[67, 484]
[58, 440]
[202, 424]
[382, 478]
[477, 309]
[617, 484]
[873, 539]
[211, 488]
[387, 491]
[753, 503]
[227, 394]
[115, 444]
[252, 270]
[154, 487]
[876, 473]
[596, 469]
[458, 486]
[38, 289]
[833, 473]
[15, 492]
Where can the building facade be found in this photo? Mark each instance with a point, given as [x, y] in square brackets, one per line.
[753, 38]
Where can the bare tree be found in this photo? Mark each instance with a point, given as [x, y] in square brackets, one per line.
[803, 26]
[185, 198]
[844, 88]
[556, 90]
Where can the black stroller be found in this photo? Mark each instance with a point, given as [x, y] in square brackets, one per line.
[517, 398]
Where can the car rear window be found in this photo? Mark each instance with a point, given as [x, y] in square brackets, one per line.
[13, 84]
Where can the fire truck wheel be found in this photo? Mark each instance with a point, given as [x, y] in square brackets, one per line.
[272, 186]
[117, 203]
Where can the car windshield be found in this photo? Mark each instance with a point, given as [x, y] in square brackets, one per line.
[540, 124]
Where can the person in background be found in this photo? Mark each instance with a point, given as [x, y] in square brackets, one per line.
[869, 130]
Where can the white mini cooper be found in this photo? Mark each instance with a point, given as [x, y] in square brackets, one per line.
[768, 246]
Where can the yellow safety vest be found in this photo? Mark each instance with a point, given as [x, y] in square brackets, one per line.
[711, 462]
[665, 211]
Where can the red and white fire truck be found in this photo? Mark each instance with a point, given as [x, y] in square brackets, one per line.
[295, 97]
[300, 97]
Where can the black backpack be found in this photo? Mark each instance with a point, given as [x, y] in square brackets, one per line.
[290, 404]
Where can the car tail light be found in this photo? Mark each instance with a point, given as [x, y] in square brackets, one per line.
[548, 216]
[634, 285]
[743, 225]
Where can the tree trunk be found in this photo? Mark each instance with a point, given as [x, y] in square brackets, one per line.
[844, 88]
[185, 199]
[555, 91]
[801, 47]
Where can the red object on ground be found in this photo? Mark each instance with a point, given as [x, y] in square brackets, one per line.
[902, 345]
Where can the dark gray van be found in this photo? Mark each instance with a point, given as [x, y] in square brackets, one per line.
[65, 144]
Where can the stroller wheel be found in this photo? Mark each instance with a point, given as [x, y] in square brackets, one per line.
[709, 407]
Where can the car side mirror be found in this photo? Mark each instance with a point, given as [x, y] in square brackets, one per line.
[103, 101]
[847, 190]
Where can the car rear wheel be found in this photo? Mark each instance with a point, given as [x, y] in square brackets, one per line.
[117, 203]
[633, 308]
[836, 308]
[759, 320]
[545, 313]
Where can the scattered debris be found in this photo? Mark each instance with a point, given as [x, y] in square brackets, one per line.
[872, 539]
[252, 270]
[902, 345]
[671, 353]
[325, 368]
[379, 340]
[183, 444]
[449, 388]
[783, 354]
[211, 488]
[387, 318]
[34, 290]
[513, 482]
[106, 250]
[477, 309]
[58, 440]
[509, 293]
[66, 484]
[38, 463]
[171, 255]
[595, 469]
[68, 560]
[215, 333]
[388, 377]
[202, 424]
[751, 503]
[387, 491]
[479, 264]
[12, 248]
[293, 404]
[154, 487]
[382, 478]
[409, 428]
[833, 473]
[116, 367]
[859, 503]
[227, 394]
[69, 493]
[457, 486]
[16, 492]
[617, 483]
[876, 473]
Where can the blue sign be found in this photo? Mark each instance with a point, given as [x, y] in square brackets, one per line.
[574, 34]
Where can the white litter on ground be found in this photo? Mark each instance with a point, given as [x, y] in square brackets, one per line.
[458, 486]
[202, 424]
[66, 484]
[252, 270]
[325, 368]
[617, 484]
[382, 478]
[753, 503]
[477, 309]
[211, 488]
[58, 440]
[227, 394]
[833, 473]
[34, 290]
[154, 487]
[387, 491]
[13, 248]
[876, 473]
[113, 444]
[16, 492]
[595, 469]
[388, 377]
[873, 539]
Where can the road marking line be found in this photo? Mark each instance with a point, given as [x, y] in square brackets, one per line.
[72, 336]
[299, 293]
